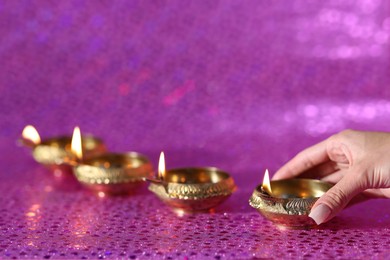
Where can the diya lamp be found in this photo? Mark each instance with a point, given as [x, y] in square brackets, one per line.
[55, 152]
[288, 202]
[111, 173]
[191, 189]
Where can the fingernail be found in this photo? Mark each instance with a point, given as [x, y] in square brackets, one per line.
[320, 213]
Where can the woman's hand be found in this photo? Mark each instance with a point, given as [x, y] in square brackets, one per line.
[356, 161]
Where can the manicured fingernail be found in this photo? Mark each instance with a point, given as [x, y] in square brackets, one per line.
[320, 213]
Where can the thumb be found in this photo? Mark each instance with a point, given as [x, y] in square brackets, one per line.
[336, 198]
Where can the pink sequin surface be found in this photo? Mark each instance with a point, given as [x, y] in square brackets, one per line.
[240, 86]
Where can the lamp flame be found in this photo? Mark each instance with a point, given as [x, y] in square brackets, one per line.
[31, 134]
[161, 166]
[76, 143]
[266, 183]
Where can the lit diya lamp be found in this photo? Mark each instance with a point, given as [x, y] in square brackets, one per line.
[56, 152]
[191, 189]
[112, 173]
[288, 202]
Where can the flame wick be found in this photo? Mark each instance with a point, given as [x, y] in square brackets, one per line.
[31, 134]
[266, 182]
[76, 143]
[161, 166]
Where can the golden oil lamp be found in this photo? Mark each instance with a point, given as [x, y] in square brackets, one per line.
[191, 189]
[55, 152]
[288, 202]
[111, 173]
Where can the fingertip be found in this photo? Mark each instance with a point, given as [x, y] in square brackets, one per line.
[335, 199]
[282, 173]
[320, 214]
[277, 176]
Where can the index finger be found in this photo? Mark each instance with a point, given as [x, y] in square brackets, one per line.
[303, 161]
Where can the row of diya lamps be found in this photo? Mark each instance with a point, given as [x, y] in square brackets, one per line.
[285, 202]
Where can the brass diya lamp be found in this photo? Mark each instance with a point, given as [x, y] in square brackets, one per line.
[56, 152]
[191, 189]
[112, 173]
[288, 202]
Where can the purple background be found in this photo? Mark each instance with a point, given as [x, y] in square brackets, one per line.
[240, 86]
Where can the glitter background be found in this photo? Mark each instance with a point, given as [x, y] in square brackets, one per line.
[240, 86]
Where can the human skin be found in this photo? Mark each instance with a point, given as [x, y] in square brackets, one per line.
[357, 162]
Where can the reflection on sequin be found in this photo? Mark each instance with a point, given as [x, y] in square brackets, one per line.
[30, 214]
[57, 173]
[311, 111]
[179, 212]
[368, 111]
[327, 117]
[48, 188]
[33, 221]
[350, 33]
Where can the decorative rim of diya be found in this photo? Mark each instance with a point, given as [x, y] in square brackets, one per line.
[57, 150]
[127, 167]
[290, 201]
[200, 186]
